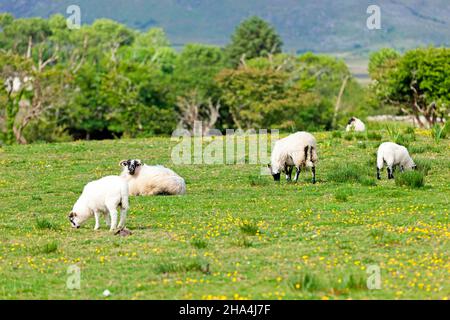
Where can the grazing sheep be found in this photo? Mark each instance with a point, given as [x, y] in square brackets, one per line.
[297, 150]
[147, 180]
[354, 124]
[102, 196]
[393, 154]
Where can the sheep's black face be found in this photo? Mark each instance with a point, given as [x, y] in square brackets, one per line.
[276, 176]
[72, 218]
[131, 165]
[351, 121]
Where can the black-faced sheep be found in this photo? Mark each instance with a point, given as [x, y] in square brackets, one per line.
[147, 180]
[354, 124]
[297, 150]
[393, 154]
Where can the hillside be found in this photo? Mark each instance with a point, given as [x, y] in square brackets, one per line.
[335, 26]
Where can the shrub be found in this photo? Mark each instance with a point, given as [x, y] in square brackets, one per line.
[403, 140]
[368, 181]
[393, 132]
[341, 196]
[36, 197]
[307, 281]
[374, 136]
[183, 266]
[418, 149]
[350, 172]
[412, 179]
[42, 223]
[362, 145]
[423, 165]
[410, 130]
[354, 281]
[348, 136]
[439, 132]
[336, 134]
[345, 173]
[257, 180]
[199, 243]
[244, 242]
[249, 228]
[50, 247]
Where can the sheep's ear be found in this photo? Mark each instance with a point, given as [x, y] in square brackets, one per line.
[72, 214]
[139, 162]
[123, 163]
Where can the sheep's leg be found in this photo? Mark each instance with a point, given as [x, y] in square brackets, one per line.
[97, 220]
[313, 171]
[123, 217]
[297, 173]
[288, 170]
[402, 169]
[113, 214]
[390, 171]
[378, 174]
[108, 219]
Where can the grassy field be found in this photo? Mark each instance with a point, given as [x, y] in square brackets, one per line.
[236, 234]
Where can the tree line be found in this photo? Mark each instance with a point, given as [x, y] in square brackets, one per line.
[106, 80]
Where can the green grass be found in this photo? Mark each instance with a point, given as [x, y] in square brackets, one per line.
[341, 196]
[45, 224]
[413, 179]
[50, 247]
[439, 132]
[227, 237]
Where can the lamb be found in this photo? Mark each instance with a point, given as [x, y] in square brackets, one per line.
[297, 150]
[151, 180]
[393, 154]
[354, 124]
[105, 196]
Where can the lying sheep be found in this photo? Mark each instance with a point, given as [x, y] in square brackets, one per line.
[147, 180]
[297, 150]
[103, 196]
[393, 154]
[354, 124]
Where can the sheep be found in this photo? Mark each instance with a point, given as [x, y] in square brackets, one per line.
[393, 154]
[151, 180]
[297, 150]
[105, 196]
[354, 124]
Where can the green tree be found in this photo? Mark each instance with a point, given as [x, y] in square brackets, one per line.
[266, 97]
[253, 38]
[381, 62]
[418, 82]
[196, 91]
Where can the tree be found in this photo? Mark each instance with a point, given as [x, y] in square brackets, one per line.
[418, 82]
[381, 62]
[198, 96]
[253, 38]
[265, 96]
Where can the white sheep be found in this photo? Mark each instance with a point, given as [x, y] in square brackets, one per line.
[105, 196]
[393, 154]
[147, 180]
[297, 150]
[354, 124]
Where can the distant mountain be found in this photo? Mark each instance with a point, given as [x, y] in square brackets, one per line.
[322, 26]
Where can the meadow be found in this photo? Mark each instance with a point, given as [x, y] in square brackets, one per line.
[235, 234]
